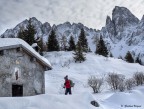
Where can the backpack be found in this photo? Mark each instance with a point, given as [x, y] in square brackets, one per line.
[71, 83]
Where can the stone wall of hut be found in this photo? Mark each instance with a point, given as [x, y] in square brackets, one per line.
[18, 67]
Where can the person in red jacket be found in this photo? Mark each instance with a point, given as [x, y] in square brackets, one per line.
[67, 85]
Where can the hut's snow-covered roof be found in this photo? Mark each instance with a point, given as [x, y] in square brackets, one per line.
[7, 43]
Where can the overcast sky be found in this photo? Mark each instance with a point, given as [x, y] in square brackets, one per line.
[91, 13]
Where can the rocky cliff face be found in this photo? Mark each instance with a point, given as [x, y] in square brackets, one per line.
[122, 19]
[124, 32]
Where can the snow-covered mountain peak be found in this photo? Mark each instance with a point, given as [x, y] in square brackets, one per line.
[108, 20]
[123, 16]
[67, 24]
[46, 27]
[21, 26]
[64, 26]
[34, 19]
[123, 21]
[77, 25]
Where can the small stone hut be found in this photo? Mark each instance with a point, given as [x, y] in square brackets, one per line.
[21, 69]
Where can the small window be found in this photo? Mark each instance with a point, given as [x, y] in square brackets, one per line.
[1, 52]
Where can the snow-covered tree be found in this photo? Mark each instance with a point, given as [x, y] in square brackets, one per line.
[21, 34]
[63, 42]
[72, 45]
[78, 54]
[53, 44]
[83, 40]
[129, 57]
[138, 61]
[101, 48]
[28, 34]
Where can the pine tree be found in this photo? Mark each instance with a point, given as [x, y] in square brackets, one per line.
[101, 49]
[72, 45]
[63, 42]
[129, 57]
[21, 34]
[53, 44]
[138, 61]
[28, 34]
[83, 40]
[79, 56]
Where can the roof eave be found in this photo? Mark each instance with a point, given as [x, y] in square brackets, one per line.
[44, 63]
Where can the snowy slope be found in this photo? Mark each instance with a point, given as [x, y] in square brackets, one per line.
[82, 94]
[63, 64]
[133, 100]
[99, 66]
[48, 101]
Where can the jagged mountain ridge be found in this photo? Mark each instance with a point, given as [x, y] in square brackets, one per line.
[123, 32]
[43, 30]
[132, 36]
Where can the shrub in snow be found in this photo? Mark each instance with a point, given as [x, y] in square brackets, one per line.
[115, 80]
[95, 83]
[121, 86]
[139, 78]
[129, 83]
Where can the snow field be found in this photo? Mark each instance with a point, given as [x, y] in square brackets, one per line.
[100, 67]
[82, 95]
